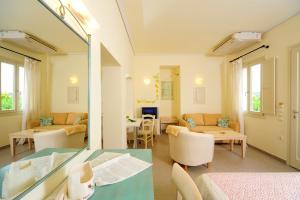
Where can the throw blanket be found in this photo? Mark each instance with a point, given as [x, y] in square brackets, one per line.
[173, 130]
[79, 128]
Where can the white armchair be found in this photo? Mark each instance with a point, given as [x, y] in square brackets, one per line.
[57, 139]
[190, 148]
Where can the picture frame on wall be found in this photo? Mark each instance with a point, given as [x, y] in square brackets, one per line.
[73, 95]
[166, 90]
[199, 95]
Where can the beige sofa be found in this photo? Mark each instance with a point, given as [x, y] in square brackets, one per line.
[207, 122]
[60, 121]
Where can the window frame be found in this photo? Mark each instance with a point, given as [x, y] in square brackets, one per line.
[17, 65]
[248, 66]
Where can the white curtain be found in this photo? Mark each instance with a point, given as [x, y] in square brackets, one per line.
[237, 93]
[31, 99]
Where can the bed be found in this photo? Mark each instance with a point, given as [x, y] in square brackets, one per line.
[248, 186]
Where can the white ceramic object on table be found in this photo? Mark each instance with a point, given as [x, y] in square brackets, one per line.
[81, 182]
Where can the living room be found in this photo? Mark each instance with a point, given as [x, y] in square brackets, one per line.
[158, 85]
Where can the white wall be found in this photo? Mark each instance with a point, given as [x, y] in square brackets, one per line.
[9, 123]
[113, 36]
[270, 133]
[12, 122]
[111, 107]
[64, 67]
[191, 67]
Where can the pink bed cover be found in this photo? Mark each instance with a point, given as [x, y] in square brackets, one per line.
[263, 186]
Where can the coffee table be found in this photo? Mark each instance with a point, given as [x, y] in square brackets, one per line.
[230, 136]
[24, 134]
[168, 121]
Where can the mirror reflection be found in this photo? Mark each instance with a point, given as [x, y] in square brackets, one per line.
[44, 94]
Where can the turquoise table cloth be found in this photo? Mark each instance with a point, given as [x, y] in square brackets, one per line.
[138, 187]
[44, 152]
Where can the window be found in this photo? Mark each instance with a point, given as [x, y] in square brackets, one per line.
[259, 91]
[245, 90]
[252, 84]
[11, 86]
[21, 87]
[255, 88]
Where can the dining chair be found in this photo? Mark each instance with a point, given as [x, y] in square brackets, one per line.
[147, 129]
[185, 185]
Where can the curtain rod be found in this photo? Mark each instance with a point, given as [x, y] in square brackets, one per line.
[20, 54]
[262, 46]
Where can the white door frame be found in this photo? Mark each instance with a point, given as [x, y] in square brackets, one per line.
[293, 112]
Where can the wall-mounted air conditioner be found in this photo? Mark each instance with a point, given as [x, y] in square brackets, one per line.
[27, 41]
[236, 42]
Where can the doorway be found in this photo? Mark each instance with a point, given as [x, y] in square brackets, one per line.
[295, 108]
[170, 94]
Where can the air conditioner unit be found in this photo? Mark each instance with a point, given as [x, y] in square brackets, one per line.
[27, 41]
[236, 42]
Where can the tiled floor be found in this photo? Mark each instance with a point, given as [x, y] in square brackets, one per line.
[21, 152]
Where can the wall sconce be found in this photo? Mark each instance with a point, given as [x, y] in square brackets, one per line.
[73, 80]
[147, 81]
[199, 81]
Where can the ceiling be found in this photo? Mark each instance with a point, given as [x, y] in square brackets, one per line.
[196, 26]
[31, 17]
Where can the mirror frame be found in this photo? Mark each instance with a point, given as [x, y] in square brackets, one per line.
[88, 42]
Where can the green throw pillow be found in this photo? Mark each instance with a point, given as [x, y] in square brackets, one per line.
[191, 122]
[223, 122]
[77, 120]
[46, 121]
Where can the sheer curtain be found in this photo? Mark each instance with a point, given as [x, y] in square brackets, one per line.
[31, 99]
[237, 93]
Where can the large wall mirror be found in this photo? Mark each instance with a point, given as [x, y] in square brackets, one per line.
[44, 94]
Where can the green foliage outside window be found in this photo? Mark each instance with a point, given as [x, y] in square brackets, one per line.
[7, 101]
[256, 103]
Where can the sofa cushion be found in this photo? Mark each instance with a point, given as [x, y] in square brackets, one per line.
[201, 129]
[85, 116]
[74, 117]
[197, 118]
[211, 119]
[191, 122]
[46, 121]
[223, 122]
[50, 128]
[59, 118]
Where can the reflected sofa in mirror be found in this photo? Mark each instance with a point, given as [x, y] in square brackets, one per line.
[44, 94]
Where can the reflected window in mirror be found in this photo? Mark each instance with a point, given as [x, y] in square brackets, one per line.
[11, 87]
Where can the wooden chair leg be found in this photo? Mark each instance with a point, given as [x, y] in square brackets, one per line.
[185, 167]
[152, 140]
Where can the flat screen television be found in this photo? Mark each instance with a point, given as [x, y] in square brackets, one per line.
[150, 111]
